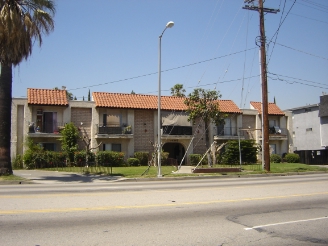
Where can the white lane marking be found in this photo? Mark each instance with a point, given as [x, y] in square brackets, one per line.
[284, 223]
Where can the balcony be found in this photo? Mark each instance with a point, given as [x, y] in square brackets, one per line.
[47, 129]
[114, 132]
[228, 133]
[177, 130]
[276, 133]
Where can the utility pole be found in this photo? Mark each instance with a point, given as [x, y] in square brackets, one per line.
[265, 120]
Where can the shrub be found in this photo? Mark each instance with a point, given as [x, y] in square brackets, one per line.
[195, 158]
[80, 158]
[218, 158]
[133, 162]
[248, 150]
[142, 157]
[164, 157]
[275, 158]
[110, 158]
[18, 162]
[292, 158]
[54, 159]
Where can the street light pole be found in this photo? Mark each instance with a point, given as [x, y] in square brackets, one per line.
[159, 142]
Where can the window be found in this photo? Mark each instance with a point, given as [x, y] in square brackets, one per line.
[112, 147]
[116, 147]
[224, 129]
[111, 120]
[272, 123]
[308, 129]
[49, 146]
[272, 149]
[106, 147]
[50, 122]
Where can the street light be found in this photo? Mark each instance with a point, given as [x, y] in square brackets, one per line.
[159, 145]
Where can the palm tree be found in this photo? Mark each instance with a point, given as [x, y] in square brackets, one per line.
[21, 22]
[178, 90]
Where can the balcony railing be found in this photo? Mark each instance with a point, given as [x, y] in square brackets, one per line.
[47, 127]
[229, 131]
[114, 130]
[177, 130]
[276, 132]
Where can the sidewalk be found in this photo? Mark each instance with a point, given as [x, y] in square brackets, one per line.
[51, 177]
[184, 169]
[48, 177]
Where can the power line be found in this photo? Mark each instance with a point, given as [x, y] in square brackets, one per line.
[309, 18]
[280, 23]
[315, 6]
[215, 83]
[301, 51]
[292, 80]
[170, 69]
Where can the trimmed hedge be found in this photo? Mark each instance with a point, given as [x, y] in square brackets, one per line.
[143, 157]
[110, 159]
[133, 162]
[43, 159]
[292, 158]
[275, 158]
[195, 158]
[80, 158]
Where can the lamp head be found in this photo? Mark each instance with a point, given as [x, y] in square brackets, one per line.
[170, 24]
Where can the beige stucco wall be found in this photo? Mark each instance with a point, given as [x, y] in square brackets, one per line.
[20, 118]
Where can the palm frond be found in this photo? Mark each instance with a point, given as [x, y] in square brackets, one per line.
[21, 22]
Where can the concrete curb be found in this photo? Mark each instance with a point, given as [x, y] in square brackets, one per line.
[218, 177]
[161, 179]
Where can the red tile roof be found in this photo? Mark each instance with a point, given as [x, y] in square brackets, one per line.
[47, 97]
[273, 109]
[138, 101]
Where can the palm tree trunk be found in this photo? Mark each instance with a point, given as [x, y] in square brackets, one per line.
[5, 118]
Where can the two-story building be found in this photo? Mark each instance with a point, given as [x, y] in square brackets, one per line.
[113, 121]
[280, 141]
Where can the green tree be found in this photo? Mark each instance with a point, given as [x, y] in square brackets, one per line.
[21, 23]
[204, 105]
[68, 139]
[248, 151]
[178, 91]
[89, 96]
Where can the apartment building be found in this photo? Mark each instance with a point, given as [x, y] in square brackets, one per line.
[128, 123]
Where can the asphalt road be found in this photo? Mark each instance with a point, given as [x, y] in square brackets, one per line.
[286, 210]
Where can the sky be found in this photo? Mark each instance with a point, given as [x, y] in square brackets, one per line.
[113, 46]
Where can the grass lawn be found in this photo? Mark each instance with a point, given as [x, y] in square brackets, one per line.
[11, 178]
[294, 167]
[136, 172]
